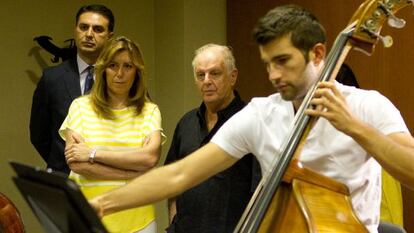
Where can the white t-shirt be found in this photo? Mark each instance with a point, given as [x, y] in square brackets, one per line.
[261, 127]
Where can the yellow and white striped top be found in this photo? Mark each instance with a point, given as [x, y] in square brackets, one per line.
[127, 131]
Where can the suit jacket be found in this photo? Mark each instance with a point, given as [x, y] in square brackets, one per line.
[54, 93]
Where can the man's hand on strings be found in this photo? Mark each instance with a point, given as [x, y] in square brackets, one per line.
[331, 105]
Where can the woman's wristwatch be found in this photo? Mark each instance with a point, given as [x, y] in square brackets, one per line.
[92, 156]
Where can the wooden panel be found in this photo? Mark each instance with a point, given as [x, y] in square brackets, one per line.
[388, 70]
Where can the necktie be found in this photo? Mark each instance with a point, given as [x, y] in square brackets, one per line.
[88, 80]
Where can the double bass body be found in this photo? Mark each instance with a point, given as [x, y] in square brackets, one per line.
[309, 202]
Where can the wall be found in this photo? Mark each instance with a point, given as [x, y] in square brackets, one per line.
[167, 30]
[181, 26]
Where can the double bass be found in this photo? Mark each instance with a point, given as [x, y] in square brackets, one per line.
[291, 198]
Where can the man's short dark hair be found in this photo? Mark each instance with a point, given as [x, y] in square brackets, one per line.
[303, 27]
[100, 9]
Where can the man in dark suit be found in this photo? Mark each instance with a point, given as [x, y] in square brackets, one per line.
[61, 84]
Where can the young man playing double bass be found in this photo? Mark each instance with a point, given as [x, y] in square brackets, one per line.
[358, 131]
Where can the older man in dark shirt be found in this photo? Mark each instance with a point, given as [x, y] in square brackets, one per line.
[215, 205]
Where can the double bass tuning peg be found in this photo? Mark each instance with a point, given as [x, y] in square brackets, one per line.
[387, 40]
[393, 20]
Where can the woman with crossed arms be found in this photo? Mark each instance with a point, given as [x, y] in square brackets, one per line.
[114, 134]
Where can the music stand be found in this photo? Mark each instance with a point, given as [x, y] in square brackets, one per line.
[57, 201]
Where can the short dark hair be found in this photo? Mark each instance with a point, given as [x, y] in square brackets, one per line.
[303, 27]
[100, 9]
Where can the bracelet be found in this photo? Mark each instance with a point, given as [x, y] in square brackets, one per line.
[92, 156]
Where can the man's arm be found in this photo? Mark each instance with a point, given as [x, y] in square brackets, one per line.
[167, 181]
[172, 209]
[40, 121]
[172, 156]
[395, 152]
